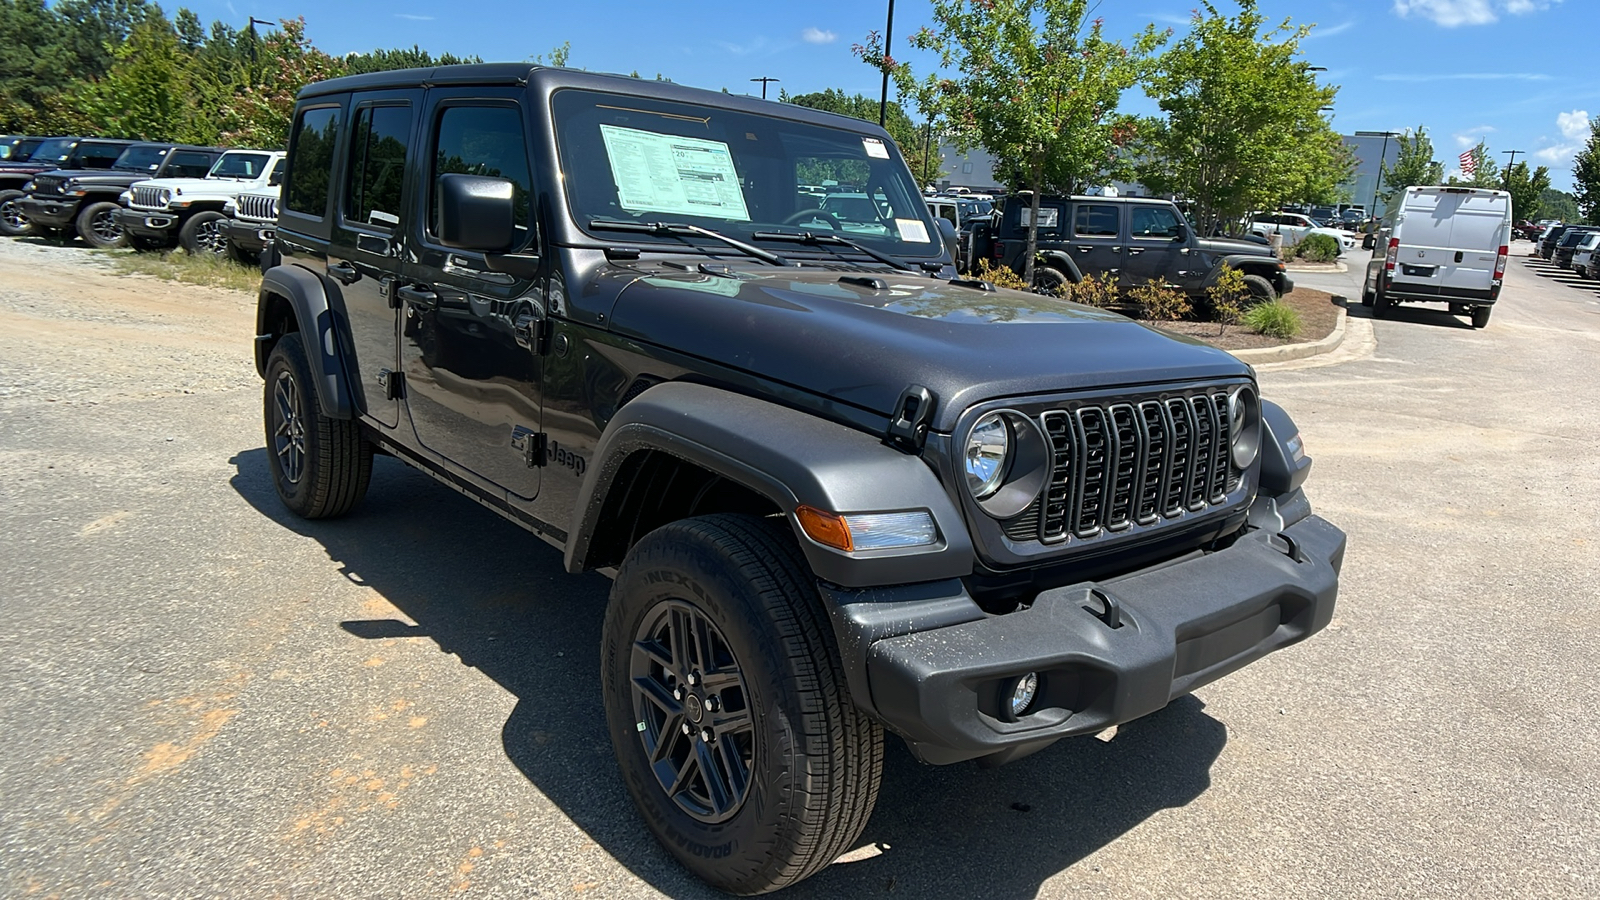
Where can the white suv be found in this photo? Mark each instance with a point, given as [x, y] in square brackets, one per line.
[192, 208]
[1295, 228]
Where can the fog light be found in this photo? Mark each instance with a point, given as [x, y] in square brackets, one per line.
[1022, 693]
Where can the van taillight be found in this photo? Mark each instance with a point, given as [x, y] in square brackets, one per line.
[1394, 254]
[999, 250]
[1500, 262]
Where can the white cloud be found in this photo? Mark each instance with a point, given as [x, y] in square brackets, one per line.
[1471, 136]
[818, 36]
[1574, 127]
[413, 18]
[1452, 13]
[1331, 30]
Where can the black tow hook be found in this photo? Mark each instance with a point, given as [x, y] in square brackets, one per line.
[1111, 611]
[1288, 546]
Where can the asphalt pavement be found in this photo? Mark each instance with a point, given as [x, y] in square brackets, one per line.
[205, 697]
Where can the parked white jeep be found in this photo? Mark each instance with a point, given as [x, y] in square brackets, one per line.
[190, 210]
[252, 221]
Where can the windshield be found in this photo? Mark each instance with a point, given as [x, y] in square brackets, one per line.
[24, 150]
[637, 160]
[240, 165]
[140, 159]
[55, 150]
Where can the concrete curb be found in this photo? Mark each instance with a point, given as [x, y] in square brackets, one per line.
[1296, 351]
[1337, 265]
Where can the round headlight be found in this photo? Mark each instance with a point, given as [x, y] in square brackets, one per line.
[988, 445]
[1244, 426]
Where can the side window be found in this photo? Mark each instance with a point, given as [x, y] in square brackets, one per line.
[1049, 218]
[377, 165]
[98, 156]
[311, 156]
[1154, 221]
[481, 140]
[1095, 221]
[189, 164]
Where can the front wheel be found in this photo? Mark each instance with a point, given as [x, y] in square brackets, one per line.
[13, 222]
[1261, 290]
[727, 705]
[320, 465]
[98, 226]
[1480, 316]
[202, 235]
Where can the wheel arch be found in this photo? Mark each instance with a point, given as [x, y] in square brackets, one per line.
[756, 456]
[294, 300]
[1060, 260]
[1251, 265]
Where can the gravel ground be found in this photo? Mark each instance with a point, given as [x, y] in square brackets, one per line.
[208, 698]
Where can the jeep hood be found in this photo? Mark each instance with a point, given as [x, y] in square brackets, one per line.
[863, 346]
[194, 184]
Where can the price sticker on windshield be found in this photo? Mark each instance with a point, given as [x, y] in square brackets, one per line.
[875, 148]
[912, 231]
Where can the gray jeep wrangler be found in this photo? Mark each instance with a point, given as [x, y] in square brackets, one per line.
[842, 492]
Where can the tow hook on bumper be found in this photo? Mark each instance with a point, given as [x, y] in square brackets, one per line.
[1103, 653]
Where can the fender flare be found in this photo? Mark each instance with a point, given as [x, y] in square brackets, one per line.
[1060, 260]
[1283, 467]
[791, 458]
[307, 296]
[1248, 264]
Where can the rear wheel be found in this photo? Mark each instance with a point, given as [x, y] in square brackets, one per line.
[202, 235]
[98, 226]
[1480, 316]
[320, 465]
[1381, 304]
[13, 223]
[727, 705]
[1261, 290]
[1049, 280]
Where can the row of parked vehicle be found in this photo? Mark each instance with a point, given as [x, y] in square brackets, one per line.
[1571, 247]
[147, 195]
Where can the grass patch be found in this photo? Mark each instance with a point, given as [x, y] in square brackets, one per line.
[1276, 319]
[181, 267]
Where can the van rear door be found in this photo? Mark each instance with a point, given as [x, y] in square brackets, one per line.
[1450, 237]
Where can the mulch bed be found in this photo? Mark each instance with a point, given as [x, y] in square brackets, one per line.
[1318, 310]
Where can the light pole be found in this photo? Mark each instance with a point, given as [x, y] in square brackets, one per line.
[764, 82]
[1377, 180]
[883, 98]
[1507, 179]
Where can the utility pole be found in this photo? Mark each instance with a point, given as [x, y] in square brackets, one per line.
[927, 153]
[255, 41]
[764, 82]
[883, 98]
[1506, 180]
[1377, 180]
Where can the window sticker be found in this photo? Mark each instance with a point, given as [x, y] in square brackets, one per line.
[670, 174]
[912, 231]
[875, 148]
[1049, 216]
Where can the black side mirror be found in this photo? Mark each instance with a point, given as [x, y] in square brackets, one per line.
[476, 213]
[1180, 232]
[947, 231]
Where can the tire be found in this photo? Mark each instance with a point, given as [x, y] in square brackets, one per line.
[1367, 294]
[1261, 290]
[320, 466]
[815, 761]
[12, 222]
[1049, 280]
[200, 235]
[1480, 316]
[1381, 304]
[97, 225]
[242, 257]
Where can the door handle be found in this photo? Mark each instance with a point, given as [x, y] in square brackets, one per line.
[344, 273]
[1134, 250]
[420, 298]
[371, 243]
[1082, 249]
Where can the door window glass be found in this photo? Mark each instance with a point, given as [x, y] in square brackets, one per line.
[99, 156]
[311, 160]
[189, 164]
[1095, 221]
[482, 140]
[377, 165]
[1154, 222]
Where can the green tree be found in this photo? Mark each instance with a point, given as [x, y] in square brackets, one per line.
[1036, 83]
[1586, 175]
[1526, 190]
[1559, 205]
[260, 114]
[1244, 128]
[1414, 166]
[144, 95]
[916, 145]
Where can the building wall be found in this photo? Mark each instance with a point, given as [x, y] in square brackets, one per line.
[1369, 153]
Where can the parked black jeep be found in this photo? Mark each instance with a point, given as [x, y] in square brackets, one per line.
[1135, 239]
[54, 153]
[69, 199]
[841, 491]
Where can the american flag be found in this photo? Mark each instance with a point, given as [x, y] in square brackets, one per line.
[1469, 163]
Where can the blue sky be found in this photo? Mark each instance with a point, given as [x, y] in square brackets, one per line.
[1502, 70]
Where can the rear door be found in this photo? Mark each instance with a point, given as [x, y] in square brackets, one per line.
[1450, 238]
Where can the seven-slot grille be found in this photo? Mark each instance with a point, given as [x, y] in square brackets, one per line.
[256, 207]
[151, 197]
[45, 184]
[1119, 464]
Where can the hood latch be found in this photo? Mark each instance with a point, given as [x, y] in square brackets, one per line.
[908, 428]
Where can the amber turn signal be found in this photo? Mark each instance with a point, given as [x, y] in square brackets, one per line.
[825, 528]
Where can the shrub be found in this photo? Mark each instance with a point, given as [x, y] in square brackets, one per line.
[1159, 302]
[1318, 248]
[1228, 297]
[1276, 319]
[999, 275]
[1098, 291]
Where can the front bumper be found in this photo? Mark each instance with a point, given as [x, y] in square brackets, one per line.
[49, 213]
[147, 224]
[251, 236]
[942, 685]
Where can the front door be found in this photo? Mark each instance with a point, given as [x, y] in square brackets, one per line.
[1155, 237]
[365, 252]
[467, 349]
[1096, 239]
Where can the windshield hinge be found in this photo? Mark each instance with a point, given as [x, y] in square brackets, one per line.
[908, 427]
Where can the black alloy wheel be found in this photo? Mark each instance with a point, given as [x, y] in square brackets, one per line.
[289, 427]
[319, 465]
[202, 234]
[98, 226]
[13, 222]
[693, 710]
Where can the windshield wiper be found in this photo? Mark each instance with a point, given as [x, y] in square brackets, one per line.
[812, 238]
[679, 229]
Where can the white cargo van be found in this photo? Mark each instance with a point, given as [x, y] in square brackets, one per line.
[1442, 245]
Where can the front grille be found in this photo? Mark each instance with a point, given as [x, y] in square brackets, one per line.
[253, 206]
[1124, 463]
[151, 197]
[44, 184]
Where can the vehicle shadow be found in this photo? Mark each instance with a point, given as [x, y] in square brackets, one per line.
[496, 597]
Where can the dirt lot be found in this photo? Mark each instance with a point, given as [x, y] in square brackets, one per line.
[1319, 312]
